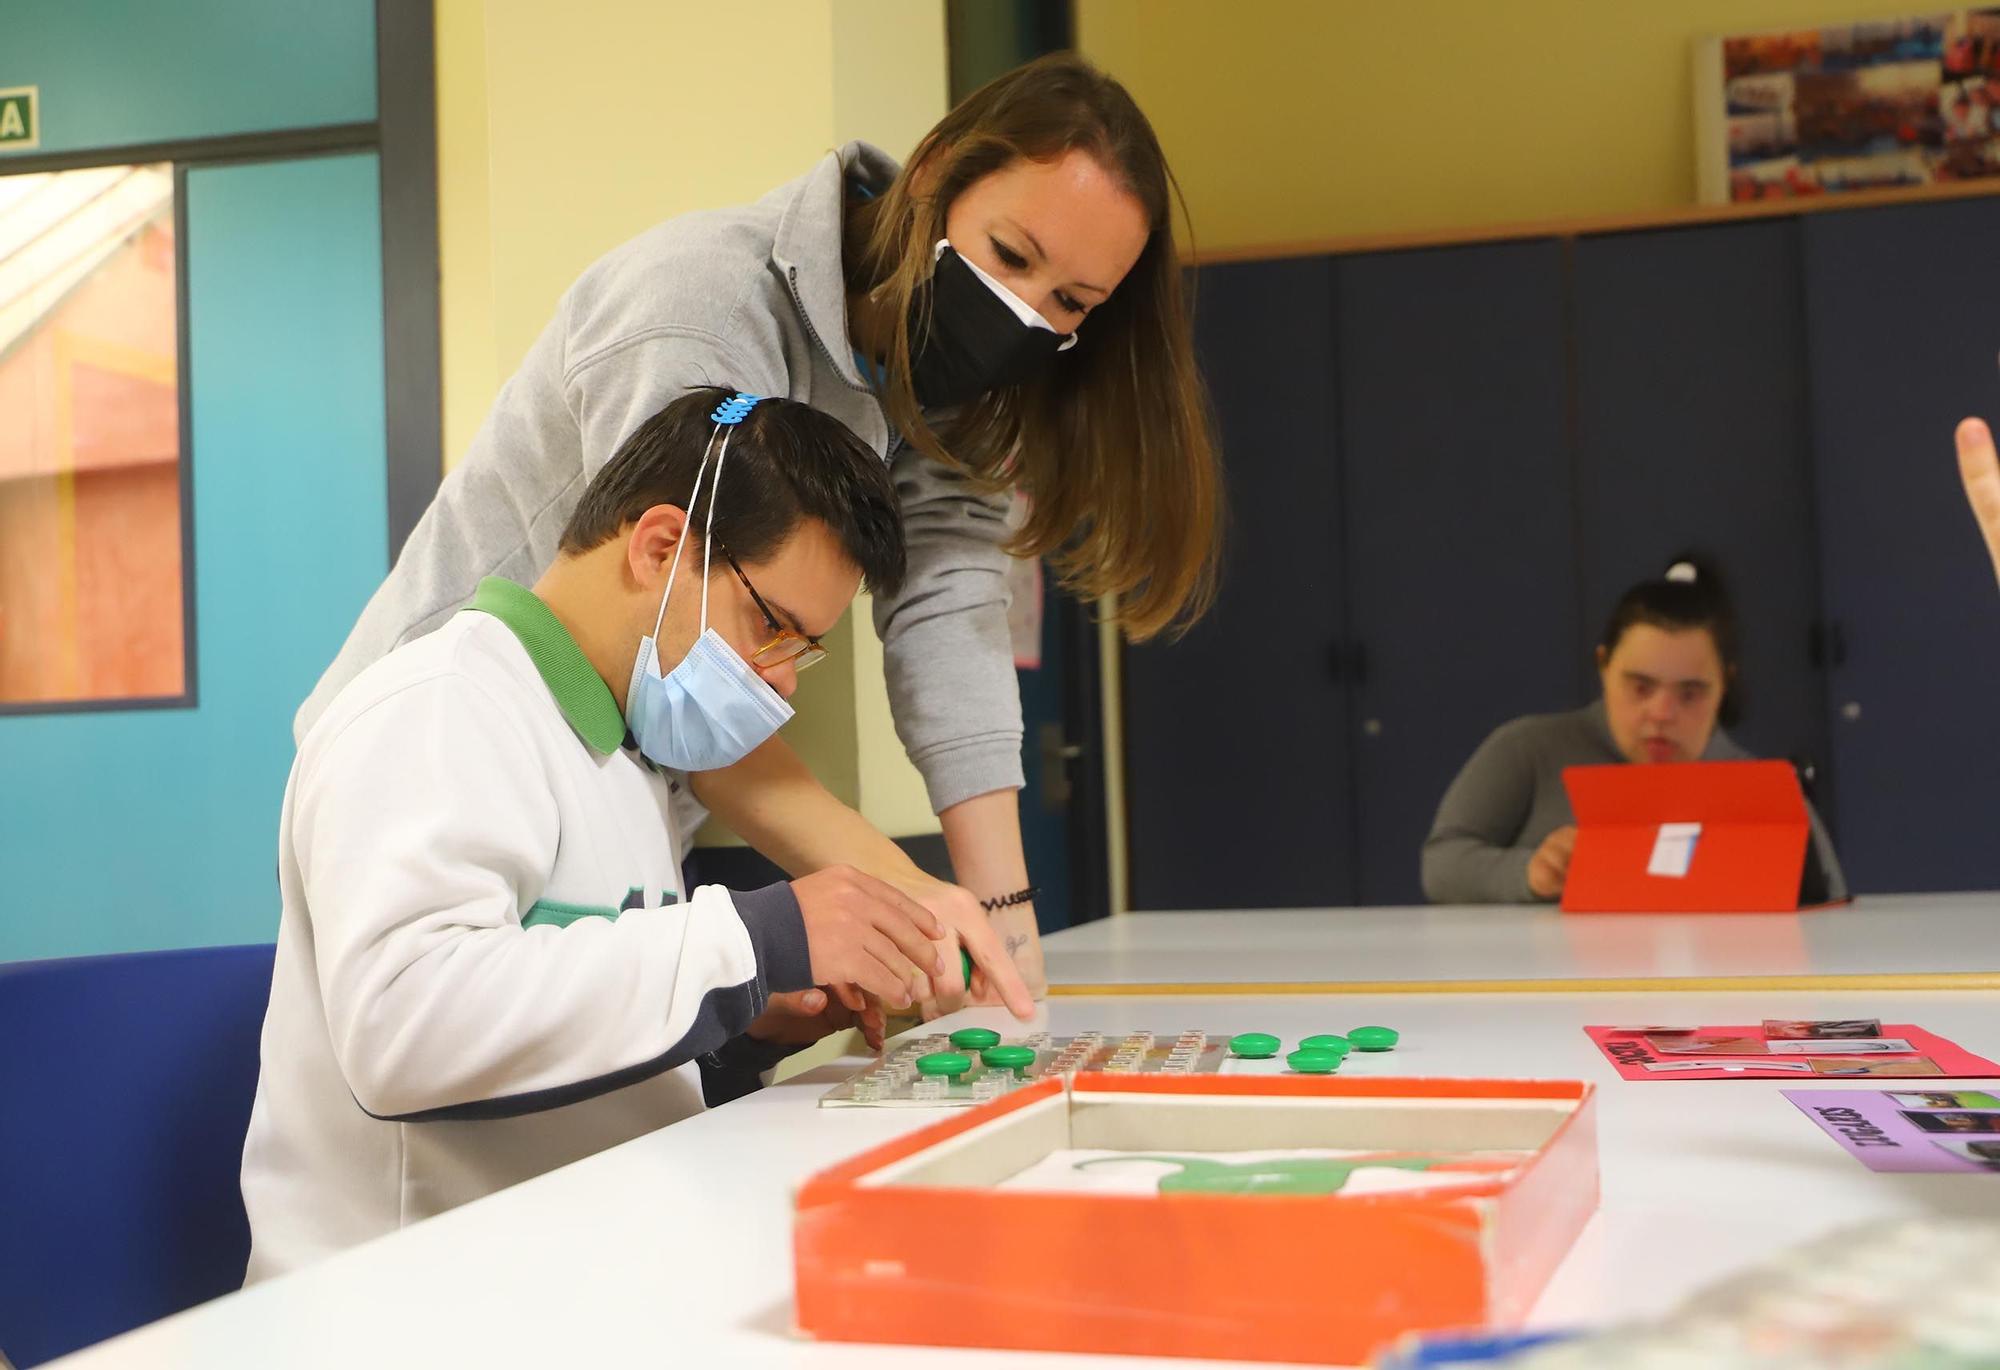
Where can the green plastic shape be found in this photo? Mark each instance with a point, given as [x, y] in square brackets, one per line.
[1254, 1046]
[1303, 1175]
[1016, 1059]
[950, 1064]
[1374, 1038]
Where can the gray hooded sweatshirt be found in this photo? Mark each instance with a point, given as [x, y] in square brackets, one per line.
[751, 298]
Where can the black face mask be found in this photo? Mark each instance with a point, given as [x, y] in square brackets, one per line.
[974, 343]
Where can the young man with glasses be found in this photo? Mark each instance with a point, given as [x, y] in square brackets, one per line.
[487, 966]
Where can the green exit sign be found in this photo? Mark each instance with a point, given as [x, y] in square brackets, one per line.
[20, 119]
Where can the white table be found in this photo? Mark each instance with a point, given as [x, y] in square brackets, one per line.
[1921, 941]
[674, 1250]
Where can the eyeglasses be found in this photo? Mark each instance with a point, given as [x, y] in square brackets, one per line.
[787, 648]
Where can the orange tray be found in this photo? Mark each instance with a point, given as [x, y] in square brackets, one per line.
[911, 1243]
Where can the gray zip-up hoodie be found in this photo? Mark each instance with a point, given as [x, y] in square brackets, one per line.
[752, 298]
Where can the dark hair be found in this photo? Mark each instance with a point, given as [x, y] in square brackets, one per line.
[1688, 594]
[1115, 443]
[787, 462]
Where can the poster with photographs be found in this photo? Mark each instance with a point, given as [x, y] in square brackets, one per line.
[1900, 102]
[1828, 1048]
[1936, 1131]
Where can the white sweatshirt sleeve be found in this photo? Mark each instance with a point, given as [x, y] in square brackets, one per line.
[423, 829]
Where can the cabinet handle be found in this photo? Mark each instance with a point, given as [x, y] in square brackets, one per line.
[1826, 645]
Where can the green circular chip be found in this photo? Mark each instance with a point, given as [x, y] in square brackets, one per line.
[1326, 1041]
[1374, 1038]
[975, 1039]
[1016, 1059]
[1254, 1046]
[1314, 1062]
[950, 1064]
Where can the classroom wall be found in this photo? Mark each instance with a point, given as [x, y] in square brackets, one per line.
[1288, 120]
[565, 131]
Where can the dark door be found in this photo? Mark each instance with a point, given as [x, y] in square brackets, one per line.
[1236, 735]
[1904, 310]
[1458, 524]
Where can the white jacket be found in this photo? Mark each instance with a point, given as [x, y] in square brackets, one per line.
[485, 967]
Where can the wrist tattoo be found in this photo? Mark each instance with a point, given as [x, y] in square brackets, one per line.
[1016, 942]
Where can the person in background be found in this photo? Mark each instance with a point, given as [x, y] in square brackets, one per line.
[1667, 662]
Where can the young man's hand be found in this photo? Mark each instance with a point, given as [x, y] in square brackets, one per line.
[865, 932]
[802, 1017]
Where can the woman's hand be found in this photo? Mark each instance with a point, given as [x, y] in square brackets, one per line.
[1016, 928]
[1548, 868]
[1979, 468]
[996, 978]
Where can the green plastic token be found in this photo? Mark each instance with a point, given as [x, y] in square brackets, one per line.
[975, 1039]
[1016, 1059]
[1374, 1038]
[1253, 1046]
[950, 1064]
[965, 965]
[1314, 1062]
[1326, 1041]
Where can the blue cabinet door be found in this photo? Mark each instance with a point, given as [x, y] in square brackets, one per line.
[1457, 524]
[1904, 318]
[1236, 757]
[1691, 414]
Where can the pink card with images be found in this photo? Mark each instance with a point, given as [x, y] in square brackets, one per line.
[1930, 1055]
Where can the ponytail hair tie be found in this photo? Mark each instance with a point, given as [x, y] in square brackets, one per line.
[1682, 573]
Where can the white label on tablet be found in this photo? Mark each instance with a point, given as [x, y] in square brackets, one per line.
[1673, 850]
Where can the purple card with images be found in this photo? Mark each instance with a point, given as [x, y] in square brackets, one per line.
[1908, 1130]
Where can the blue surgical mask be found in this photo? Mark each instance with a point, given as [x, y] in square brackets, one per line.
[712, 709]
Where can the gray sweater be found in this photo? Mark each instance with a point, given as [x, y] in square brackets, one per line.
[1510, 797]
[751, 298]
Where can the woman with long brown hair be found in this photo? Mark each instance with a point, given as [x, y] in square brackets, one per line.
[1004, 312]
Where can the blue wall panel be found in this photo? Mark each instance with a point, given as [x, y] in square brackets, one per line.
[118, 72]
[158, 828]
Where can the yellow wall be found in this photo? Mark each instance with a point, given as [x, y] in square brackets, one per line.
[1290, 120]
[565, 130]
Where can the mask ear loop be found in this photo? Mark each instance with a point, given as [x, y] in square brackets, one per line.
[693, 496]
[707, 540]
